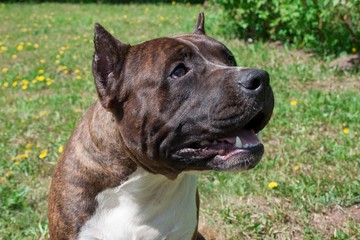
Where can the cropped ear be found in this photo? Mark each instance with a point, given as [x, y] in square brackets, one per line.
[200, 24]
[108, 62]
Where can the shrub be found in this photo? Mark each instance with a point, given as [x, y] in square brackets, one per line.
[326, 27]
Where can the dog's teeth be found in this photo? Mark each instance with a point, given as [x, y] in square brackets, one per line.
[238, 143]
[204, 142]
[259, 135]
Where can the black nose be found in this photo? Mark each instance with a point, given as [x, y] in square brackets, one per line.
[253, 79]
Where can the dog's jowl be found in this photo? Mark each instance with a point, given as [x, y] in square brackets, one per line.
[168, 109]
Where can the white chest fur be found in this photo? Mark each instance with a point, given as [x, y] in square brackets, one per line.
[146, 206]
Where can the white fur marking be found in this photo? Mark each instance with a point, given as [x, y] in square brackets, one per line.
[146, 206]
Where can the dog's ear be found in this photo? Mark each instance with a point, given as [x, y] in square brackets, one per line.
[200, 24]
[108, 62]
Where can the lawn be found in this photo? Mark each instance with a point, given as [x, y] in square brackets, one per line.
[306, 187]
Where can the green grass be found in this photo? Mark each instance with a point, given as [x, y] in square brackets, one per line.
[56, 42]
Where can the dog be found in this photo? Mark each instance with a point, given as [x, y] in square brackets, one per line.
[167, 109]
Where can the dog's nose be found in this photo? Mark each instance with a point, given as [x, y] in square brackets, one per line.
[253, 79]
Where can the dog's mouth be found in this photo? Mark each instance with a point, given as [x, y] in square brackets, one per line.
[239, 150]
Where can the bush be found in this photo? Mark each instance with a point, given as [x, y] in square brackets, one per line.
[326, 27]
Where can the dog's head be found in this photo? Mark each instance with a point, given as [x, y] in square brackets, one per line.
[181, 103]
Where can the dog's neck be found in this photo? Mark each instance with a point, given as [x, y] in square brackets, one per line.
[146, 206]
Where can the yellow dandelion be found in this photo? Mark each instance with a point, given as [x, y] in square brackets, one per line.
[293, 103]
[272, 185]
[173, 3]
[297, 168]
[15, 84]
[25, 82]
[353, 50]
[57, 61]
[20, 47]
[28, 146]
[28, 44]
[48, 83]
[40, 78]
[346, 130]
[61, 149]
[78, 77]
[2, 179]
[13, 158]
[6, 84]
[57, 56]
[34, 81]
[37, 117]
[36, 45]
[42, 61]
[43, 154]
[41, 71]
[24, 87]
[3, 49]
[17, 163]
[43, 113]
[9, 173]
[14, 56]
[5, 70]
[76, 70]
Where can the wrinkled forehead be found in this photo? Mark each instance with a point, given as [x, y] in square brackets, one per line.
[210, 48]
[179, 46]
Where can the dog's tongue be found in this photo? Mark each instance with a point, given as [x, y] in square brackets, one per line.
[247, 137]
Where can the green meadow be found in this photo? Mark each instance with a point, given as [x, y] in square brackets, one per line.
[307, 185]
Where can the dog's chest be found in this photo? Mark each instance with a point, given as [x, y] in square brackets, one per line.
[146, 206]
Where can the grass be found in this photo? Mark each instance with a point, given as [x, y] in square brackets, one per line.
[312, 142]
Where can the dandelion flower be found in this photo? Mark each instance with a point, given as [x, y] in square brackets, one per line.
[61, 149]
[14, 56]
[353, 50]
[20, 47]
[272, 185]
[17, 163]
[36, 45]
[3, 49]
[15, 84]
[293, 103]
[43, 154]
[41, 71]
[9, 173]
[28, 146]
[24, 87]
[5, 70]
[2, 179]
[22, 156]
[346, 130]
[6, 84]
[297, 168]
[40, 78]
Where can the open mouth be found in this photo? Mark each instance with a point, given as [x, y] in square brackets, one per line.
[241, 150]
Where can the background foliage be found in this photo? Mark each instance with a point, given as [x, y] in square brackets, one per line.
[326, 27]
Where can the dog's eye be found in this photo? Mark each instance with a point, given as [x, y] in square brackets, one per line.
[179, 71]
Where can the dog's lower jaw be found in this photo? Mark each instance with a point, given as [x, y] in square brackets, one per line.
[146, 206]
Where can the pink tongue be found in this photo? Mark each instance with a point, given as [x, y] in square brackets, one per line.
[247, 136]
